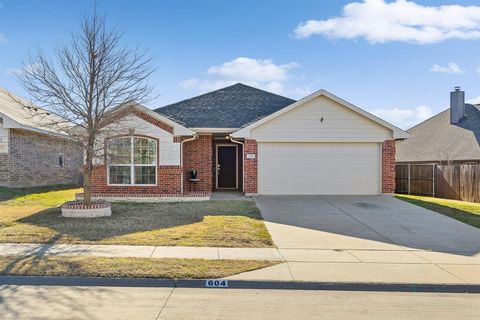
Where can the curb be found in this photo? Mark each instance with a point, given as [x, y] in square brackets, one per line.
[241, 284]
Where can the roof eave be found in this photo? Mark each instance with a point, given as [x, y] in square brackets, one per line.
[9, 123]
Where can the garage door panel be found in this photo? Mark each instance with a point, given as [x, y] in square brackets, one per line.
[319, 168]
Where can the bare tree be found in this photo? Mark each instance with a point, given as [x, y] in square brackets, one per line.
[82, 87]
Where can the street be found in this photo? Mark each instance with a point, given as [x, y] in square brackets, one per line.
[91, 302]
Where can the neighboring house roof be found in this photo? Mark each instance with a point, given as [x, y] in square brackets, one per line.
[436, 139]
[397, 132]
[231, 107]
[19, 113]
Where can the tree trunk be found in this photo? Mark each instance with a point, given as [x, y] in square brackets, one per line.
[87, 177]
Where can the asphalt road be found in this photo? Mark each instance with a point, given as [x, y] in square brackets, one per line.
[96, 302]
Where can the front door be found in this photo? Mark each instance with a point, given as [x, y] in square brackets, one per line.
[227, 166]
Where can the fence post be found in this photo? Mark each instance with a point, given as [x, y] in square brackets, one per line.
[434, 167]
[408, 178]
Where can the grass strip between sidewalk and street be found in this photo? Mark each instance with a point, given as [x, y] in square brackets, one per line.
[69, 266]
[466, 212]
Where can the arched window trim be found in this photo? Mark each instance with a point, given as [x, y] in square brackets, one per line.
[132, 165]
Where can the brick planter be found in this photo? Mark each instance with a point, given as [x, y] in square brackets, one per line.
[77, 209]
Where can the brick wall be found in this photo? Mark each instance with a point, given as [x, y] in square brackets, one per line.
[197, 155]
[168, 182]
[4, 170]
[32, 160]
[251, 167]
[388, 166]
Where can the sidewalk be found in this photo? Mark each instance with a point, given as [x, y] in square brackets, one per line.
[310, 265]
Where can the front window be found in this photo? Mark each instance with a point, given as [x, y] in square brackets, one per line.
[132, 160]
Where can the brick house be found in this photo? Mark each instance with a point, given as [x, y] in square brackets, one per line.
[246, 139]
[452, 136]
[32, 154]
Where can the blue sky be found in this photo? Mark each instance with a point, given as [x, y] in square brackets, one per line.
[397, 59]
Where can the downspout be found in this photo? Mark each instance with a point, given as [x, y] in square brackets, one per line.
[243, 159]
[195, 137]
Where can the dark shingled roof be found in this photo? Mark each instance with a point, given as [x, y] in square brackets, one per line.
[437, 140]
[231, 107]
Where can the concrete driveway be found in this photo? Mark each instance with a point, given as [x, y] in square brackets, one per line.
[367, 239]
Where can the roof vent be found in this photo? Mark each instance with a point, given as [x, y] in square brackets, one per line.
[457, 105]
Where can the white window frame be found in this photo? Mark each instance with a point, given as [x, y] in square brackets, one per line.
[132, 165]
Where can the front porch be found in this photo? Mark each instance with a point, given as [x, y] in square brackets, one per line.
[213, 162]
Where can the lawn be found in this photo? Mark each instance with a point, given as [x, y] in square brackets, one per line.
[467, 212]
[126, 267]
[33, 216]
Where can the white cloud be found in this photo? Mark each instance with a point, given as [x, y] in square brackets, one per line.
[449, 68]
[477, 69]
[404, 118]
[379, 21]
[474, 100]
[262, 73]
[3, 38]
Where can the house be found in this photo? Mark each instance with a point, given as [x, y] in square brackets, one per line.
[31, 153]
[452, 136]
[246, 139]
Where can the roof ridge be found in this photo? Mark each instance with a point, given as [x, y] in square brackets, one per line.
[219, 89]
[428, 119]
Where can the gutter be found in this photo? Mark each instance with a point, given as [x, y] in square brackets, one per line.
[243, 159]
[195, 137]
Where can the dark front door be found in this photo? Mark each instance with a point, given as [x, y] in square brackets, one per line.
[227, 167]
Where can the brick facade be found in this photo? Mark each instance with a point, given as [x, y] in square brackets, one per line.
[251, 167]
[197, 155]
[33, 160]
[388, 166]
[168, 182]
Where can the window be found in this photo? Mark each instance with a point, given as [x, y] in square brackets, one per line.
[61, 161]
[132, 160]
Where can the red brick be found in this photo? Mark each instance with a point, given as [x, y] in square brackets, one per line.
[388, 166]
[251, 167]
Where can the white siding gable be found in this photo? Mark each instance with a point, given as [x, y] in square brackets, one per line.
[169, 151]
[304, 123]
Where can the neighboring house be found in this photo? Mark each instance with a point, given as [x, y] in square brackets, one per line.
[32, 154]
[246, 139]
[452, 136]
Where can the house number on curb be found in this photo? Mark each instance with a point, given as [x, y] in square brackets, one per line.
[212, 283]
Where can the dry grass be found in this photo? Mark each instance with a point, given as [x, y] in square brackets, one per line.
[466, 212]
[126, 267]
[35, 218]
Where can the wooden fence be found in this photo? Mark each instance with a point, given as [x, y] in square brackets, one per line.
[453, 181]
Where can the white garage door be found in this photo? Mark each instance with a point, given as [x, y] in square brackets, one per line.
[319, 168]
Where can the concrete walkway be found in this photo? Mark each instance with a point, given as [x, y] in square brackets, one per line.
[366, 239]
[312, 265]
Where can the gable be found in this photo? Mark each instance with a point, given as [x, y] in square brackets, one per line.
[323, 120]
[132, 124]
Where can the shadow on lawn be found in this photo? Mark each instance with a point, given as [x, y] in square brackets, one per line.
[455, 213]
[129, 218]
[12, 193]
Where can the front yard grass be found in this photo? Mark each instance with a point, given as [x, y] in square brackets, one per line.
[67, 266]
[34, 217]
[466, 212]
